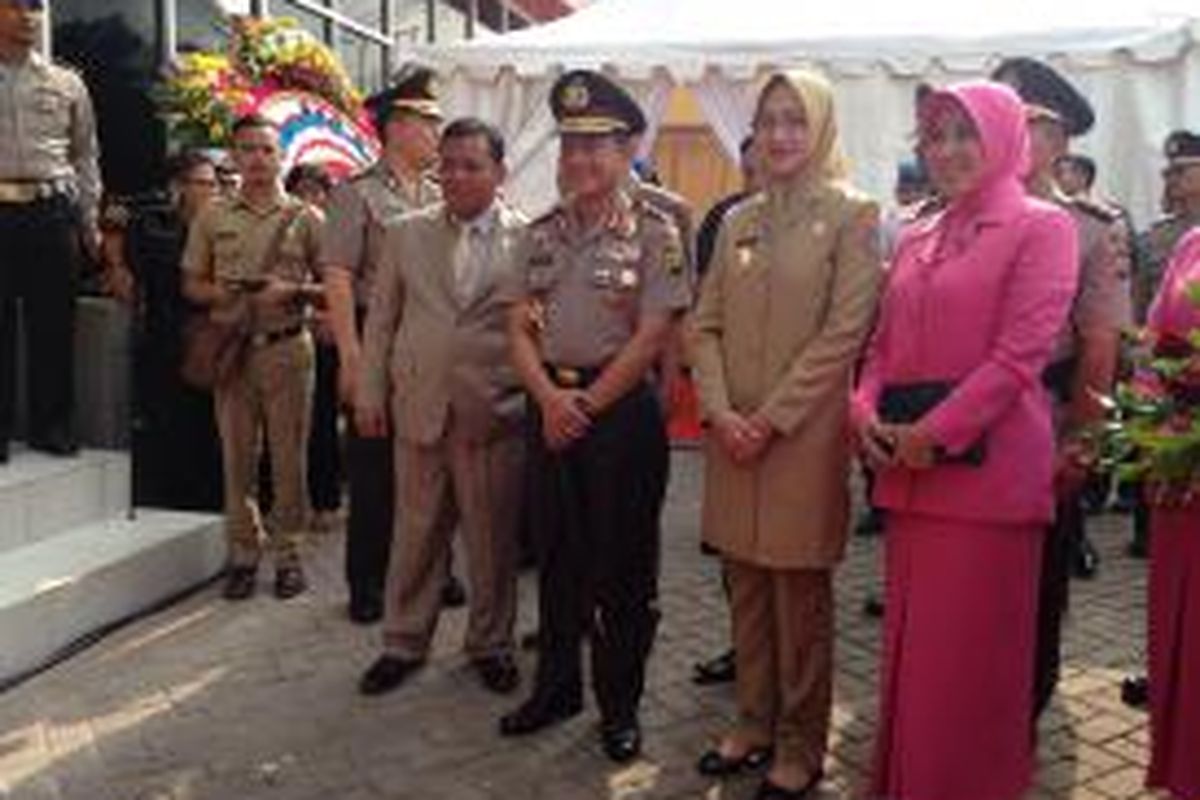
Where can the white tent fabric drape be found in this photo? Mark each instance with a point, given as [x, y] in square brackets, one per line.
[1137, 60]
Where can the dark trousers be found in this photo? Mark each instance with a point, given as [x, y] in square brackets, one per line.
[369, 523]
[594, 509]
[39, 249]
[324, 449]
[1054, 593]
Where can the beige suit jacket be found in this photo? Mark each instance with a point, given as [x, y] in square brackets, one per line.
[432, 353]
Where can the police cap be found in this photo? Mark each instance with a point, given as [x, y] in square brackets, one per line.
[1182, 147]
[586, 102]
[1047, 93]
[413, 88]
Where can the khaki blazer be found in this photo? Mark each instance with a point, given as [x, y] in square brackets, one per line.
[434, 353]
[782, 315]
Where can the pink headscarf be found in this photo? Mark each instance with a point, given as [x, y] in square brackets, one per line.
[999, 117]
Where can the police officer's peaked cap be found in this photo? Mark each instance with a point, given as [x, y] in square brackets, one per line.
[586, 102]
[1182, 147]
[1047, 93]
[412, 88]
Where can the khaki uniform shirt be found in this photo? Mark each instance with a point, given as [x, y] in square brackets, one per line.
[359, 212]
[592, 287]
[1103, 298]
[228, 242]
[48, 130]
[1154, 250]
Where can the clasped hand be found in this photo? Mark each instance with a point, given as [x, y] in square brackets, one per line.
[884, 446]
[566, 417]
[744, 439]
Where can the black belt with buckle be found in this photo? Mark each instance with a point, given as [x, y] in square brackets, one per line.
[572, 377]
[271, 337]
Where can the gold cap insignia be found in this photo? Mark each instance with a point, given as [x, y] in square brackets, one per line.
[575, 96]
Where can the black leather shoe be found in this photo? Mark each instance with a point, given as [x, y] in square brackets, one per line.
[1135, 691]
[386, 674]
[1138, 548]
[716, 765]
[240, 583]
[289, 582]
[771, 791]
[530, 641]
[56, 443]
[365, 612]
[453, 594]
[873, 607]
[537, 713]
[721, 669]
[870, 523]
[621, 743]
[1084, 560]
[498, 674]
[4, 452]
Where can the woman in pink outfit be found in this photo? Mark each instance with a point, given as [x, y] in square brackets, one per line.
[1174, 583]
[951, 411]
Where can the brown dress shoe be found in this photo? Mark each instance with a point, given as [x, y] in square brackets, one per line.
[240, 583]
[289, 582]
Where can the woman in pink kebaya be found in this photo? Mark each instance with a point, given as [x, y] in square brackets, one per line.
[1174, 581]
[951, 412]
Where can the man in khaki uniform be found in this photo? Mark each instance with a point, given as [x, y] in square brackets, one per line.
[600, 286]
[406, 116]
[49, 197]
[1084, 364]
[254, 256]
[435, 344]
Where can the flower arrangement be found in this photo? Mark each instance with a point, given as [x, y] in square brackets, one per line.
[204, 92]
[1153, 433]
[278, 54]
[201, 97]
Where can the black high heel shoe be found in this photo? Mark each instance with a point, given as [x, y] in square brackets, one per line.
[714, 764]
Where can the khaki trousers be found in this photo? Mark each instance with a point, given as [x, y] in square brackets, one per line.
[269, 398]
[478, 485]
[783, 634]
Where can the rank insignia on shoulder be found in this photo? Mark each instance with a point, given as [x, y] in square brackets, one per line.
[673, 257]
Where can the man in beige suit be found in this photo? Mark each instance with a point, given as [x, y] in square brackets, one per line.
[435, 346]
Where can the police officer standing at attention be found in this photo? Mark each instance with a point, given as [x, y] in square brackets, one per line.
[601, 285]
[49, 203]
[406, 117]
[1181, 213]
[1084, 364]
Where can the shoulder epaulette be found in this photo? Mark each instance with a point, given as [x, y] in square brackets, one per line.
[1093, 209]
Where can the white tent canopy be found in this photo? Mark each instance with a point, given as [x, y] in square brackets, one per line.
[1137, 60]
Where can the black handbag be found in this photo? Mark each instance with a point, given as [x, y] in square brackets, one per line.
[907, 403]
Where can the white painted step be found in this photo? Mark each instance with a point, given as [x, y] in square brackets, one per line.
[58, 589]
[42, 495]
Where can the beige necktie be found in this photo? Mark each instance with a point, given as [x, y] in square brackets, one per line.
[468, 261]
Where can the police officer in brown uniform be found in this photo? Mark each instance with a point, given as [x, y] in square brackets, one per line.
[601, 284]
[406, 116]
[1084, 364]
[49, 197]
[1181, 213]
[254, 257]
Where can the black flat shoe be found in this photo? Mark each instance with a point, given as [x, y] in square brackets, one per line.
[771, 791]
[498, 674]
[56, 443]
[621, 743]
[289, 582]
[386, 674]
[240, 583]
[716, 765]
[1085, 561]
[1135, 691]
[721, 669]
[537, 713]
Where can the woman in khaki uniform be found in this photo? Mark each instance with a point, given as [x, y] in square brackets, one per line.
[780, 321]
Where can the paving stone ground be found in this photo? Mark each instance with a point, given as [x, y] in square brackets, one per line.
[213, 701]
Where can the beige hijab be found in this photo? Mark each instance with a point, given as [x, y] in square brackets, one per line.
[826, 159]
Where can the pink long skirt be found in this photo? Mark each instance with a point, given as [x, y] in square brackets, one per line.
[1174, 653]
[957, 680]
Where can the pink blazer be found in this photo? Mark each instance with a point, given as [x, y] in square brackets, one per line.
[1172, 310]
[976, 297]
